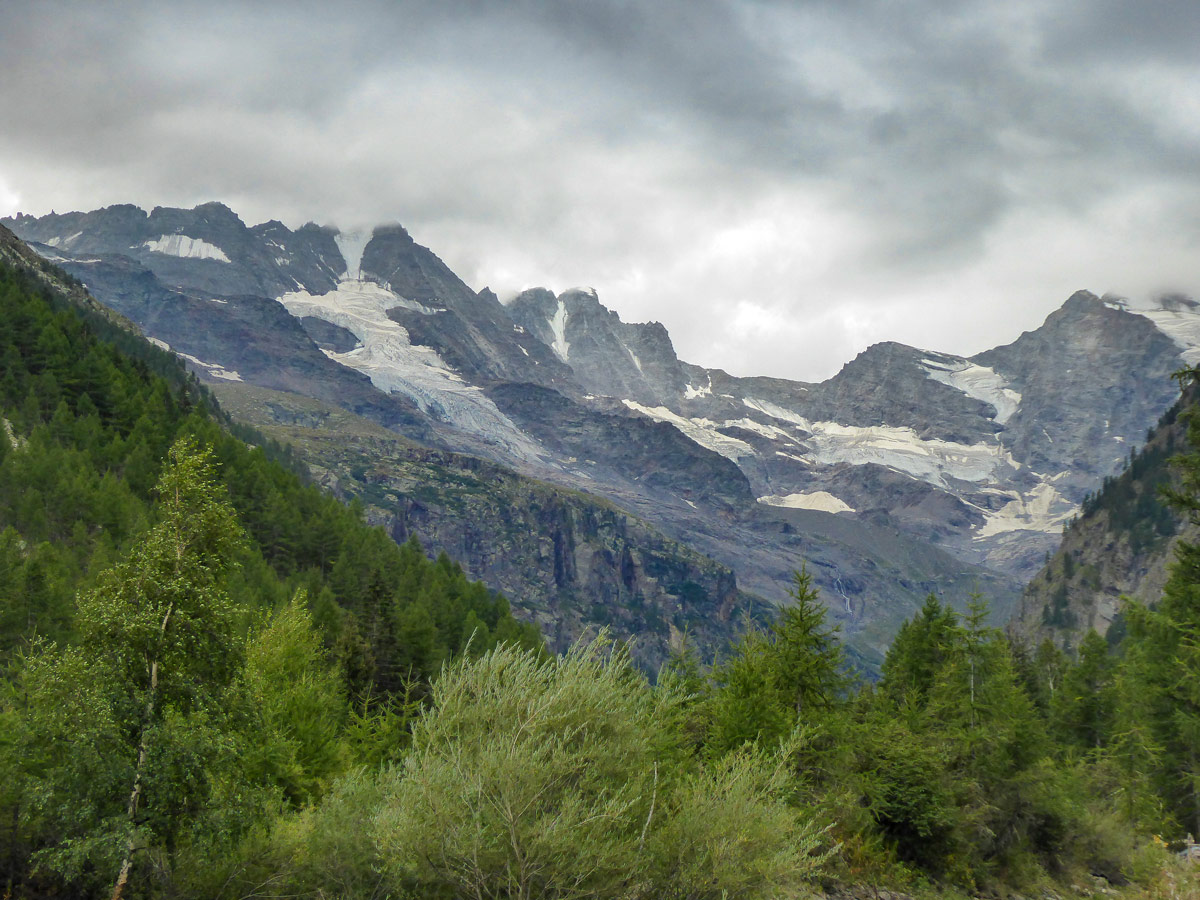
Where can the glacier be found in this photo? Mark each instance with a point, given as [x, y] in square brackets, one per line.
[895, 447]
[1182, 325]
[185, 247]
[976, 381]
[395, 364]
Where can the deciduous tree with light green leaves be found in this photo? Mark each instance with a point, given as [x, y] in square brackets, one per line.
[140, 699]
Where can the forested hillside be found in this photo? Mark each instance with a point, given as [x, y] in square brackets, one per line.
[90, 413]
[219, 683]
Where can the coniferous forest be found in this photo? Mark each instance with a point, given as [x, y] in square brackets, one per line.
[219, 682]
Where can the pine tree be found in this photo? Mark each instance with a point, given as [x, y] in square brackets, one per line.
[807, 654]
[1083, 707]
[919, 651]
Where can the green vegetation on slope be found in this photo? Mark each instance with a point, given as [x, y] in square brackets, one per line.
[90, 412]
[219, 683]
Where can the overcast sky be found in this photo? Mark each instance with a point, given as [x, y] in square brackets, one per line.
[780, 184]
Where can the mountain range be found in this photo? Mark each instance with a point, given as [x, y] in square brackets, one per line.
[573, 460]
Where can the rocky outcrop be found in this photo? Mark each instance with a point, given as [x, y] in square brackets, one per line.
[470, 331]
[608, 357]
[571, 562]
[1121, 546]
[1092, 380]
[619, 447]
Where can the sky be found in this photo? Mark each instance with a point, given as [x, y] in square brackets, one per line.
[781, 184]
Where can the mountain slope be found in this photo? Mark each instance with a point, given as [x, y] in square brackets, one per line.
[570, 562]
[89, 410]
[1121, 545]
[982, 458]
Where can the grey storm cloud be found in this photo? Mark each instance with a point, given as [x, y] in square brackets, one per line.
[780, 183]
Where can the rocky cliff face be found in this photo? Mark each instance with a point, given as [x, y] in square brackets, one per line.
[1092, 380]
[569, 561]
[608, 357]
[910, 470]
[1121, 545]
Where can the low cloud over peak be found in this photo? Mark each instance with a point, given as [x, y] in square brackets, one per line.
[780, 184]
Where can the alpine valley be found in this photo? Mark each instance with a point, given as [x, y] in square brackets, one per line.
[574, 462]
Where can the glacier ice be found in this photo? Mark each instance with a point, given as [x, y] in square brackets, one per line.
[185, 247]
[395, 364]
[976, 381]
[1182, 325]
[895, 447]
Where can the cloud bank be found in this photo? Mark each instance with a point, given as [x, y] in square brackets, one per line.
[781, 184]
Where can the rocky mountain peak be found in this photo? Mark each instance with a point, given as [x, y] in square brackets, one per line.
[1081, 301]
[213, 212]
[609, 357]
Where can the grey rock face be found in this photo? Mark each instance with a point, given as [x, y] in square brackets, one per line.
[1122, 544]
[328, 336]
[607, 356]
[1093, 379]
[620, 448]
[471, 331]
[887, 384]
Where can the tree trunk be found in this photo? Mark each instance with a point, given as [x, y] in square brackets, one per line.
[135, 795]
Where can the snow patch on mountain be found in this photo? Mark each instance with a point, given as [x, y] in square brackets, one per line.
[695, 393]
[774, 432]
[213, 370]
[1041, 509]
[775, 411]
[702, 431]
[933, 461]
[558, 327]
[352, 245]
[899, 448]
[1181, 323]
[637, 362]
[395, 364]
[976, 381]
[186, 247]
[62, 242]
[820, 500]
